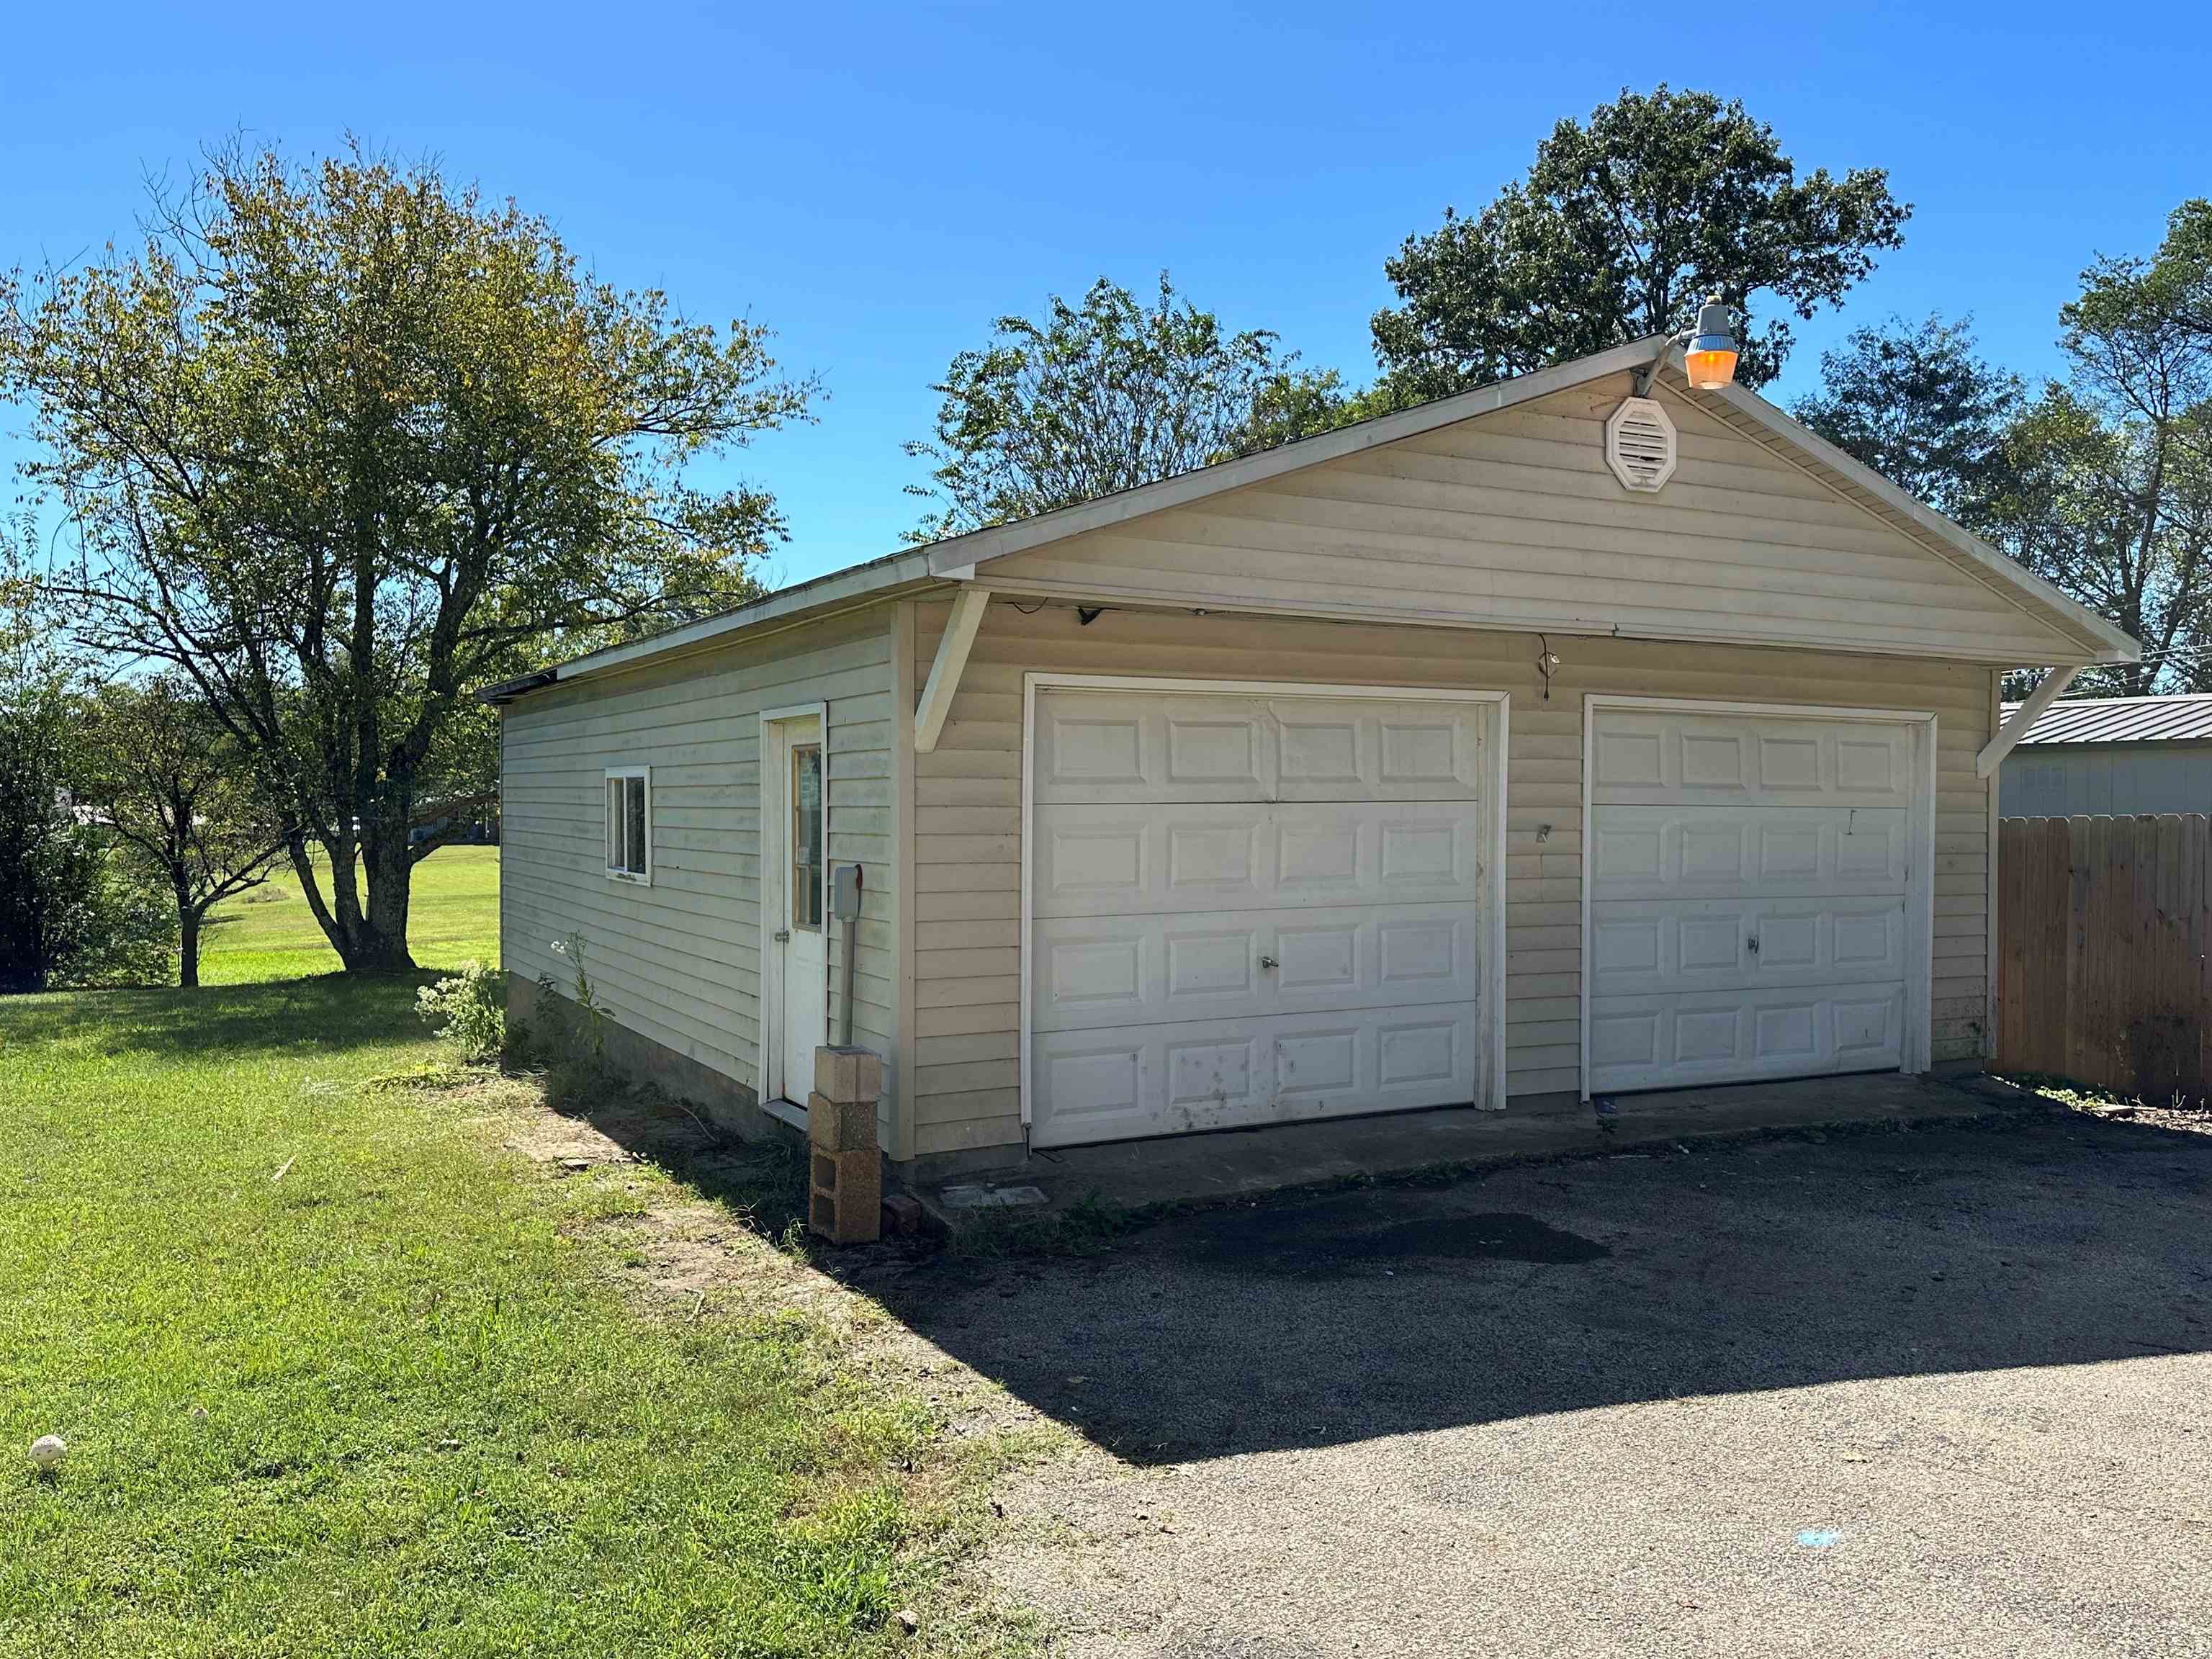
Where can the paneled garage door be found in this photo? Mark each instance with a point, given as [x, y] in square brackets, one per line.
[1247, 909]
[1749, 913]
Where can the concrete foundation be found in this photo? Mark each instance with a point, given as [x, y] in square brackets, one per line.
[1199, 1168]
[1227, 1163]
[729, 1105]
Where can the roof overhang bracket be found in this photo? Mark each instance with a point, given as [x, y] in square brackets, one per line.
[1995, 750]
[1641, 379]
[951, 662]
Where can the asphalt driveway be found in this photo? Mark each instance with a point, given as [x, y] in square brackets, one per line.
[1939, 1392]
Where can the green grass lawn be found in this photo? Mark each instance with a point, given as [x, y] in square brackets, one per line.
[402, 1398]
[268, 932]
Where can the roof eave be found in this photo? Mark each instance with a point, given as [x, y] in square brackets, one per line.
[959, 557]
[2111, 643]
[879, 579]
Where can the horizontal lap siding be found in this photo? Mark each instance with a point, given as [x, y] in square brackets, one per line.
[967, 812]
[1513, 518]
[679, 962]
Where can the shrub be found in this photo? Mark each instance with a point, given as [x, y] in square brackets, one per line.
[469, 1009]
[129, 932]
[70, 914]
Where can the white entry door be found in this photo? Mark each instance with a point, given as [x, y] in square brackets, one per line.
[1750, 902]
[794, 856]
[1254, 908]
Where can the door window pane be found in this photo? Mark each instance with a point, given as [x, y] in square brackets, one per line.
[806, 835]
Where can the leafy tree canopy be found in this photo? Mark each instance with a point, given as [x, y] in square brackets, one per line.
[1915, 402]
[2113, 498]
[337, 441]
[1622, 226]
[2101, 481]
[171, 787]
[69, 913]
[1101, 398]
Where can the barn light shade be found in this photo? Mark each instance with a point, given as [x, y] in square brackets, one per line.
[1709, 356]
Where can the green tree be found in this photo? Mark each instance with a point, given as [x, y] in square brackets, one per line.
[1915, 402]
[2111, 491]
[1102, 398]
[68, 915]
[339, 441]
[171, 785]
[1622, 226]
[2115, 499]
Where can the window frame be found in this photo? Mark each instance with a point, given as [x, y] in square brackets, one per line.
[622, 872]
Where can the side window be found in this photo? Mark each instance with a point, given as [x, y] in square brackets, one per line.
[630, 823]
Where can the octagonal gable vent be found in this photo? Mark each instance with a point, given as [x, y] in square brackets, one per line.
[1640, 445]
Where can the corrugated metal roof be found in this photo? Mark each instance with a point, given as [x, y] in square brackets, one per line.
[2123, 719]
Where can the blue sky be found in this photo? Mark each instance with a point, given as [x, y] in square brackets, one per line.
[876, 183]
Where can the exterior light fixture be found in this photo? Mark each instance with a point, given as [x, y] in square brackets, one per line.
[1641, 447]
[1709, 354]
[1709, 350]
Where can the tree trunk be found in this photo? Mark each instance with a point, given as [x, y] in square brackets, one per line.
[381, 938]
[371, 939]
[188, 947]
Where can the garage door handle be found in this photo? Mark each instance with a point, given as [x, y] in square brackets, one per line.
[1755, 945]
[1269, 962]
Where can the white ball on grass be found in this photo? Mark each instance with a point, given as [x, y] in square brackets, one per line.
[47, 1452]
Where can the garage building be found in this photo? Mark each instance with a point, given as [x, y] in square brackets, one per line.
[1546, 741]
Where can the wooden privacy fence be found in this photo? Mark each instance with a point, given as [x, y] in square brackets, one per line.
[2101, 932]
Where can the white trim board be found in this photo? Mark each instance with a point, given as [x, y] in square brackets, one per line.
[1036, 680]
[1918, 1042]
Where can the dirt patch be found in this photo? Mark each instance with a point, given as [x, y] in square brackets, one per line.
[703, 1225]
[2174, 1114]
[2189, 1120]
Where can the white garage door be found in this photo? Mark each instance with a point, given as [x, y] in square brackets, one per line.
[1248, 909]
[1749, 878]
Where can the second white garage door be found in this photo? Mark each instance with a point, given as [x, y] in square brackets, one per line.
[1254, 908]
[1751, 892]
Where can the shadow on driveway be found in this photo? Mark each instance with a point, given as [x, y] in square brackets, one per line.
[2041, 1240]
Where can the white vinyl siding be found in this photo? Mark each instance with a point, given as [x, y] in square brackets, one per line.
[964, 1052]
[1514, 519]
[678, 961]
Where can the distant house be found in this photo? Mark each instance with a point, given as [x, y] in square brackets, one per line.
[2115, 755]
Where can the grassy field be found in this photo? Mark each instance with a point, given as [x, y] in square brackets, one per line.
[268, 932]
[343, 1373]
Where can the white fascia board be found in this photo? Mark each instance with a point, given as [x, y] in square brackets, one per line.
[2112, 643]
[963, 553]
[858, 582]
